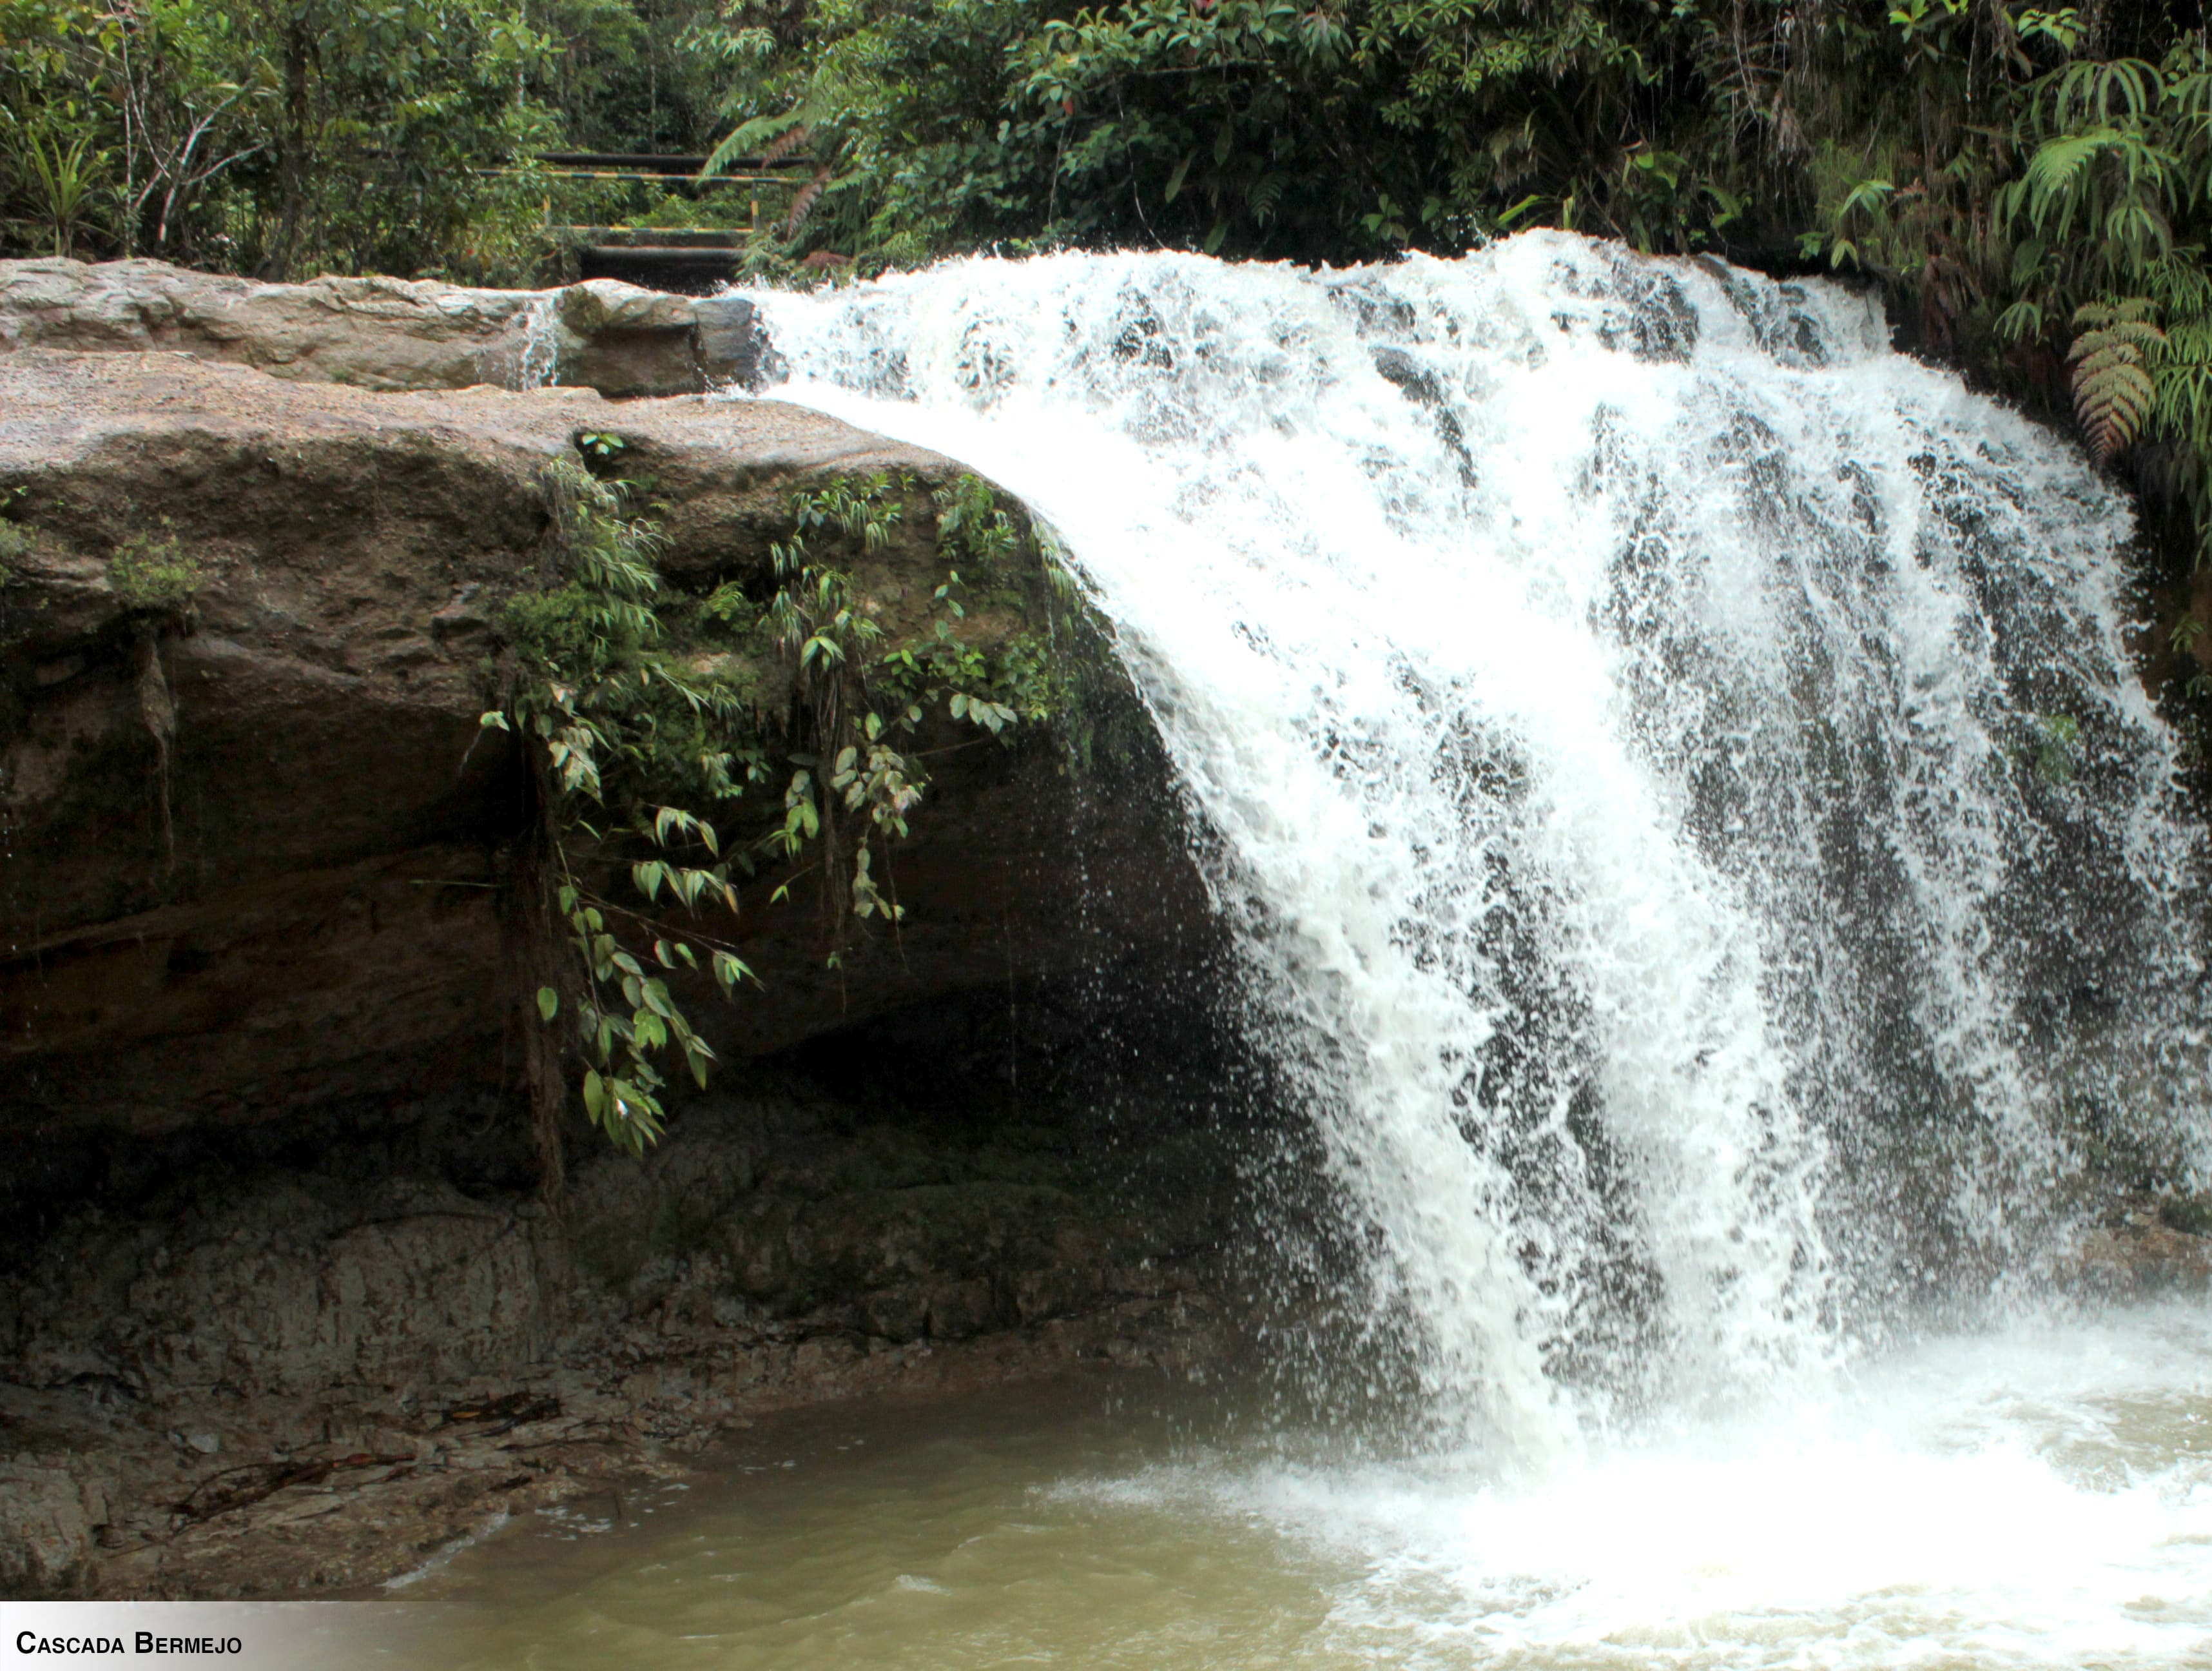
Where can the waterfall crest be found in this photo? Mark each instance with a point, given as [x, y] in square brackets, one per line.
[1699, 848]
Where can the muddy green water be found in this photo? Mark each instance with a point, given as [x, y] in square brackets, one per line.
[1006, 1528]
[2040, 1497]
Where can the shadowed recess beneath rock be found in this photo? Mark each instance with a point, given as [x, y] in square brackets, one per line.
[361, 1318]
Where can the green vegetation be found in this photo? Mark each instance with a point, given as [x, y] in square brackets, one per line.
[155, 576]
[287, 137]
[2059, 745]
[276, 136]
[677, 739]
[14, 544]
[2027, 185]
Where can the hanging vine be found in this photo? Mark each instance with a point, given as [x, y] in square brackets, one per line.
[648, 716]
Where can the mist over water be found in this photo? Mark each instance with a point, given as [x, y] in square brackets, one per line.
[1699, 850]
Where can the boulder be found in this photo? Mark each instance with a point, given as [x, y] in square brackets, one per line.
[389, 333]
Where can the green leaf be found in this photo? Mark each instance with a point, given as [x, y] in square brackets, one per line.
[1507, 217]
[549, 1002]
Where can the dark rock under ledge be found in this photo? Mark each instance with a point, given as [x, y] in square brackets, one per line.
[301, 1365]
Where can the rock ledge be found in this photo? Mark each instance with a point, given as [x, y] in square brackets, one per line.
[390, 333]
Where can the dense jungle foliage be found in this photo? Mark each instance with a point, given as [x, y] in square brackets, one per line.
[2030, 185]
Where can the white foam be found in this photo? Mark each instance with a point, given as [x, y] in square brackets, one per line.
[2039, 1497]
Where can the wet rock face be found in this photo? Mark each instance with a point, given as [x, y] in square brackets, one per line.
[301, 902]
[388, 333]
[2145, 1246]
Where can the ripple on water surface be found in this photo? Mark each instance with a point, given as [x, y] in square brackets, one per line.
[2040, 1497]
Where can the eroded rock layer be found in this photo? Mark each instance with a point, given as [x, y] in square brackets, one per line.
[308, 1355]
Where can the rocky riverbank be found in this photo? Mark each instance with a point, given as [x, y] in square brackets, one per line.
[311, 1360]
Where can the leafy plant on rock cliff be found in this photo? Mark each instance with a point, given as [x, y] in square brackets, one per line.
[15, 545]
[156, 581]
[851, 789]
[619, 730]
[648, 715]
[155, 576]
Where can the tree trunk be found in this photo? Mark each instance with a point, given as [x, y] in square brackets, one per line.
[292, 156]
[533, 960]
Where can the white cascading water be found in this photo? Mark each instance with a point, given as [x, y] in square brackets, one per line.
[537, 354]
[1699, 845]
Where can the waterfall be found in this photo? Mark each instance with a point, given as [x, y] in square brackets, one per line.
[1700, 851]
[537, 355]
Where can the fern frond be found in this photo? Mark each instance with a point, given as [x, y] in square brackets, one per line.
[2090, 90]
[772, 136]
[741, 140]
[2113, 393]
[2051, 172]
[2188, 89]
[2184, 406]
[1267, 192]
[2129, 311]
[793, 137]
[2022, 322]
[803, 204]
